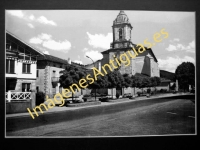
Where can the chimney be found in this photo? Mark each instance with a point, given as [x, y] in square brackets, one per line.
[69, 61]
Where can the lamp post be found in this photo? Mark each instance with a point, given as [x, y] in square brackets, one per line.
[91, 59]
[94, 67]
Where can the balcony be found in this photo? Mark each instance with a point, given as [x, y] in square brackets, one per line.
[55, 79]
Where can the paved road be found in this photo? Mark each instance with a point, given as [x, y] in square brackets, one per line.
[168, 117]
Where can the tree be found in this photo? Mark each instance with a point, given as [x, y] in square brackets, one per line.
[71, 75]
[115, 79]
[101, 82]
[185, 74]
[155, 81]
[127, 82]
[138, 81]
[133, 82]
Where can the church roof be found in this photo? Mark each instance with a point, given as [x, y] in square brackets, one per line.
[129, 48]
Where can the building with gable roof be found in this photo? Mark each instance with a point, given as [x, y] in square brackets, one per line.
[145, 63]
[21, 64]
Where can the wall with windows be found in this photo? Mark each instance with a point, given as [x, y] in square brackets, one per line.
[26, 70]
[24, 85]
[48, 77]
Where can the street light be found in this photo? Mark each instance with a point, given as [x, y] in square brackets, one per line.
[91, 59]
[94, 67]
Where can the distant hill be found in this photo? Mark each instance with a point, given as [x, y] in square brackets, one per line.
[167, 75]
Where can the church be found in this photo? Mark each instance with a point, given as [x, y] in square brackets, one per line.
[145, 63]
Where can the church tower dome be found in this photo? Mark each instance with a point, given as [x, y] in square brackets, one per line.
[121, 31]
[121, 18]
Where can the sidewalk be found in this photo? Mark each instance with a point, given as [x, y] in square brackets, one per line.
[124, 100]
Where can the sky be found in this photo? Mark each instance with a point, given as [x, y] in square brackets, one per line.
[76, 33]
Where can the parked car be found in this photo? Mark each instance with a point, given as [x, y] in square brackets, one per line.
[105, 97]
[86, 97]
[127, 95]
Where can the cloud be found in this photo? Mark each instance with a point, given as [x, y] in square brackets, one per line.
[32, 17]
[17, 13]
[100, 40]
[53, 45]
[47, 42]
[44, 36]
[171, 48]
[85, 49]
[94, 55]
[41, 19]
[171, 63]
[192, 44]
[30, 25]
[44, 20]
[78, 61]
[35, 40]
[46, 52]
[189, 48]
[175, 40]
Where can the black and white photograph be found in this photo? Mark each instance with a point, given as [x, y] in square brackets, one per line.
[73, 73]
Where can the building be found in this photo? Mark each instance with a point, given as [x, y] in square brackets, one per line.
[48, 73]
[21, 64]
[145, 63]
[96, 64]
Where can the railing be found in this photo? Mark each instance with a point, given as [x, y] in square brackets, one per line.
[14, 96]
[54, 79]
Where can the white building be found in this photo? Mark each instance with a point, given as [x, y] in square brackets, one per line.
[21, 64]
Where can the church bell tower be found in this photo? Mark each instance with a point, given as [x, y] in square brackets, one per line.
[121, 31]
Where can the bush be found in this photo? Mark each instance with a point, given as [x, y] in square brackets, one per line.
[40, 98]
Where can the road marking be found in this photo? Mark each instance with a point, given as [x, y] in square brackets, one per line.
[171, 113]
[191, 117]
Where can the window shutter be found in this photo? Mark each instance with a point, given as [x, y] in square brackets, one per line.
[28, 87]
[28, 68]
[12, 66]
[7, 65]
[23, 87]
[24, 68]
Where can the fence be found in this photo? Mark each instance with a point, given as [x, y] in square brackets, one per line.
[17, 96]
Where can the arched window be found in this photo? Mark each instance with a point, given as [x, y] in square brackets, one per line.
[120, 33]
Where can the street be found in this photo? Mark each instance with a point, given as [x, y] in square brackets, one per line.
[175, 116]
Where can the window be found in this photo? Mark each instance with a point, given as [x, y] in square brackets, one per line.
[10, 66]
[26, 68]
[37, 89]
[8, 46]
[26, 87]
[54, 73]
[37, 73]
[120, 33]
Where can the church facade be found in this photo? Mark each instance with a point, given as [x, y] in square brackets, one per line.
[145, 63]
